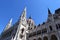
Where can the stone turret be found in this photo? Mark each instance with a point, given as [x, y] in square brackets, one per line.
[8, 25]
[31, 23]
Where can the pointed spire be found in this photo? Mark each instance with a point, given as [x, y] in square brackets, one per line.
[24, 13]
[22, 17]
[8, 25]
[49, 11]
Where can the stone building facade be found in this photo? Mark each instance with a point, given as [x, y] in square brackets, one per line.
[25, 29]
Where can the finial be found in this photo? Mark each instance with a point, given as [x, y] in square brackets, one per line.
[25, 8]
[30, 17]
[10, 20]
[24, 13]
[49, 11]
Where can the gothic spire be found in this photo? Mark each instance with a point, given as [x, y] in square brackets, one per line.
[22, 18]
[23, 13]
[8, 25]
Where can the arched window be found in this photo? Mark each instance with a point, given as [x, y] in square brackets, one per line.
[53, 37]
[34, 39]
[39, 38]
[45, 38]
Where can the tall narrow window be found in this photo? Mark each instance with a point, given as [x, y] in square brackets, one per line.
[22, 30]
[56, 26]
[59, 25]
[50, 28]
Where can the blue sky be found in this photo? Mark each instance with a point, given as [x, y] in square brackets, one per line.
[36, 8]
